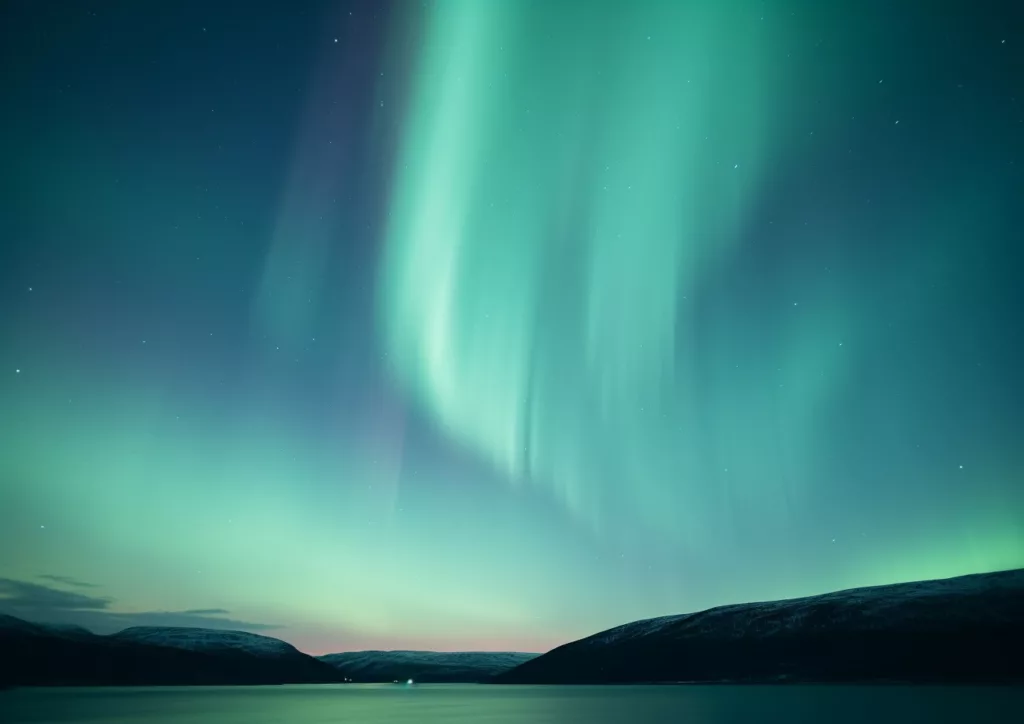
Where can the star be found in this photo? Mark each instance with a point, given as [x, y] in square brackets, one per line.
[17, 372]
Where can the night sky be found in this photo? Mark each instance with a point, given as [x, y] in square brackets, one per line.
[487, 324]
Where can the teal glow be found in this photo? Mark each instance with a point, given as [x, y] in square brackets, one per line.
[485, 324]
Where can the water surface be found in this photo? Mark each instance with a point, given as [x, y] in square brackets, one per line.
[471, 704]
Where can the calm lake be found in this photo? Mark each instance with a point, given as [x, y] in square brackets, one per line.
[430, 704]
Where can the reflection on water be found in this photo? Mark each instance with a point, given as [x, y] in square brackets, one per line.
[453, 704]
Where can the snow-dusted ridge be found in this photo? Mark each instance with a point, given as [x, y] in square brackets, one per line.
[873, 608]
[961, 629]
[55, 655]
[424, 666]
[209, 640]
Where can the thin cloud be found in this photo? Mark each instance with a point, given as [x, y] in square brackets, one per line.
[67, 581]
[25, 595]
[45, 604]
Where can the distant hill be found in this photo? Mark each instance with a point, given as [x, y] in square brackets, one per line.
[209, 640]
[57, 655]
[958, 630]
[424, 666]
[47, 655]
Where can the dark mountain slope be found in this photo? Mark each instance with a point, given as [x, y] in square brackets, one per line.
[965, 630]
[32, 654]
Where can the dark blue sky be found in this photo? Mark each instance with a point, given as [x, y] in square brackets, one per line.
[488, 325]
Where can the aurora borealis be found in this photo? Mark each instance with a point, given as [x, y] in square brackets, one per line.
[487, 325]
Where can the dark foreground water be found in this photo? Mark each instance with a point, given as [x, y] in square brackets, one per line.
[432, 704]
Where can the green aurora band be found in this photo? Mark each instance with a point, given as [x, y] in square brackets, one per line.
[573, 189]
[676, 305]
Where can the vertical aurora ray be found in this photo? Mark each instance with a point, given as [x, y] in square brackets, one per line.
[582, 282]
[493, 323]
[567, 180]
